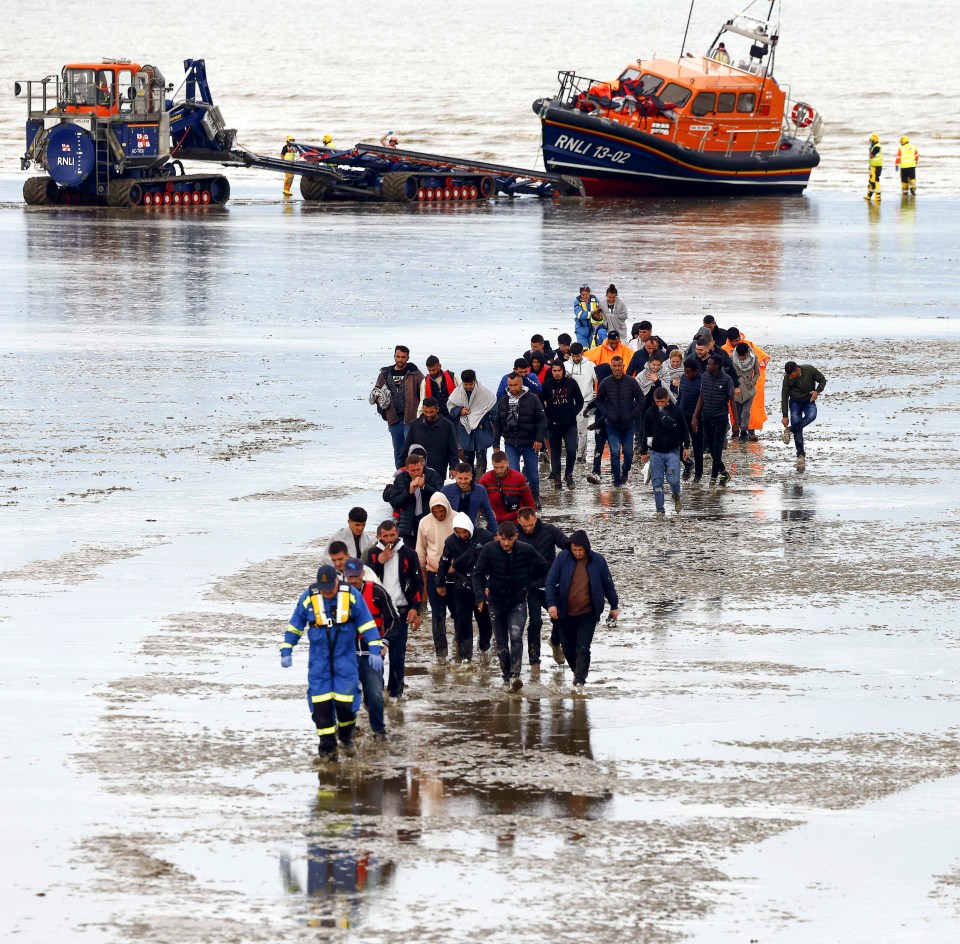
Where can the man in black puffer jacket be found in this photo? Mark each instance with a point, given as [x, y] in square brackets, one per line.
[665, 424]
[522, 425]
[505, 572]
[562, 403]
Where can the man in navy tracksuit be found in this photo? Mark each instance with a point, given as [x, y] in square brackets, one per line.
[687, 401]
[577, 585]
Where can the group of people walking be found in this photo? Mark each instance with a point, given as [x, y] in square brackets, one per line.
[476, 547]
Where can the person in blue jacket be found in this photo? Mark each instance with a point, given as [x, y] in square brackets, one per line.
[333, 615]
[583, 304]
[577, 585]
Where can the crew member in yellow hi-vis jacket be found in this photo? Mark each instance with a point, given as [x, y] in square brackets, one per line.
[876, 168]
[907, 159]
[289, 152]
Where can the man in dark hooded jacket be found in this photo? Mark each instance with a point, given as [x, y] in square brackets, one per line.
[562, 402]
[577, 585]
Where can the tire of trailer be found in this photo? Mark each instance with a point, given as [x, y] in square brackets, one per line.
[312, 188]
[399, 187]
[40, 191]
[488, 187]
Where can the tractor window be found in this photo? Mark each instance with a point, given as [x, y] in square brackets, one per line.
[726, 102]
[79, 86]
[676, 95]
[747, 102]
[704, 103]
[124, 81]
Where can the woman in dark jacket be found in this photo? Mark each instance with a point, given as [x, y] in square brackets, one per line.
[577, 585]
[562, 402]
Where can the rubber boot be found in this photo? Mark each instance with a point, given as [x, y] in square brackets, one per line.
[904, 189]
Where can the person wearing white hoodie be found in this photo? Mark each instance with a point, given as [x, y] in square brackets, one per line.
[583, 373]
[434, 529]
[455, 582]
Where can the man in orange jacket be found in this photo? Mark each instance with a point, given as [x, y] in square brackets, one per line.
[612, 347]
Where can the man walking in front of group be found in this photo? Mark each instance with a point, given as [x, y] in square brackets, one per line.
[398, 569]
[621, 399]
[396, 395]
[663, 423]
[576, 587]
[802, 385]
[714, 408]
[522, 425]
[504, 573]
[333, 616]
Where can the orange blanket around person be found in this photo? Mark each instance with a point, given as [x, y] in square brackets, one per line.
[758, 411]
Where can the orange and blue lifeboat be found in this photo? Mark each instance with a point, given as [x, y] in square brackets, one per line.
[716, 125]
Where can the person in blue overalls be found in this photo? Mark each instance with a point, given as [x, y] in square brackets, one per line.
[333, 616]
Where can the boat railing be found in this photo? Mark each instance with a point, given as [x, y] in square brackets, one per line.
[801, 124]
[572, 86]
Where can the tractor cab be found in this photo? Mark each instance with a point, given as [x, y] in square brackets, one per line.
[112, 88]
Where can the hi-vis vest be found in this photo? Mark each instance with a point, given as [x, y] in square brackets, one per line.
[908, 156]
[341, 614]
[876, 155]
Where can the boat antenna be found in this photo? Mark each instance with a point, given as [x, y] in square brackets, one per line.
[683, 47]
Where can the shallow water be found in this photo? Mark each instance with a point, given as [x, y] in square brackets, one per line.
[185, 419]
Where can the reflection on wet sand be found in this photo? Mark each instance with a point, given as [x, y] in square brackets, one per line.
[798, 521]
[145, 268]
[338, 869]
[354, 806]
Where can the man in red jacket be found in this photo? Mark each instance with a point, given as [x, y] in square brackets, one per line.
[507, 488]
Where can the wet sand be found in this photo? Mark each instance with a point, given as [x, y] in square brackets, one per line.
[769, 747]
